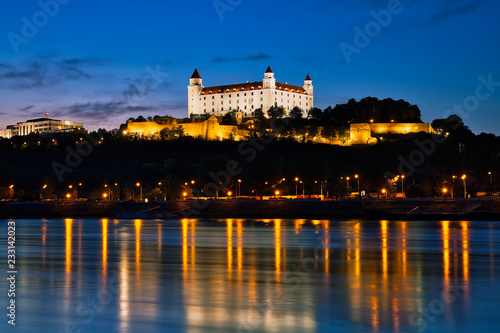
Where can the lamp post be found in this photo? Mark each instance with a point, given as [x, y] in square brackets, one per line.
[491, 181]
[445, 190]
[296, 189]
[384, 192]
[452, 184]
[403, 184]
[140, 186]
[303, 190]
[347, 180]
[239, 188]
[276, 194]
[359, 192]
[465, 185]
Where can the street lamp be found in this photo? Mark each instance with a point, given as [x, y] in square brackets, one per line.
[465, 185]
[347, 179]
[239, 188]
[403, 184]
[184, 194]
[384, 191]
[491, 181]
[445, 190]
[357, 177]
[139, 185]
[296, 189]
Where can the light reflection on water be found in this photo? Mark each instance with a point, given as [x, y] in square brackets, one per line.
[236, 275]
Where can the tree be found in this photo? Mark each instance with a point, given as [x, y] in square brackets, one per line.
[329, 133]
[315, 113]
[296, 113]
[276, 112]
[259, 114]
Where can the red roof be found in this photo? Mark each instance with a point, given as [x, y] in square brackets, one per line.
[269, 70]
[196, 75]
[248, 87]
[308, 78]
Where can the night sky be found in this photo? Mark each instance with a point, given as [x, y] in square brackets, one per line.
[91, 61]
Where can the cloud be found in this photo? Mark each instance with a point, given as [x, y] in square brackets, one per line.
[27, 108]
[451, 8]
[46, 71]
[256, 57]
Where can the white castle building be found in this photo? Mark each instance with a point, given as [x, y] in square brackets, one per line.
[247, 97]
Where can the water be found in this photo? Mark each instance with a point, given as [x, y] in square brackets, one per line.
[234, 275]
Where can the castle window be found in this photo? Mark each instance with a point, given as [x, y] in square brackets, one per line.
[261, 106]
[261, 99]
[204, 98]
[221, 96]
[229, 95]
[213, 97]
[252, 94]
[210, 92]
[237, 95]
[245, 107]
[245, 94]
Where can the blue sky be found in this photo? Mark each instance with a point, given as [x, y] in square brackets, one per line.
[92, 61]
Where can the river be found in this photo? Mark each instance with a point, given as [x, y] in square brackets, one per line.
[253, 275]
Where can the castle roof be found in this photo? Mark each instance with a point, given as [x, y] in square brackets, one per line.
[308, 78]
[269, 70]
[250, 86]
[196, 75]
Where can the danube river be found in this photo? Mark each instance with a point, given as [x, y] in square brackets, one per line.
[238, 275]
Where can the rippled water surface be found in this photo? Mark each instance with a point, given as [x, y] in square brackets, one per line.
[236, 275]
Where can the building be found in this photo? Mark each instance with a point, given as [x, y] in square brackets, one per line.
[247, 97]
[362, 133]
[208, 129]
[41, 126]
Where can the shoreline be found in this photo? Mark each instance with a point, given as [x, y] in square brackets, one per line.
[405, 209]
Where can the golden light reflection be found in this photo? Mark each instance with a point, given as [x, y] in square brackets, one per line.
[44, 237]
[465, 258]
[277, 246]
[104, 246]
[159, 239]
[69, 234]
[383, 226]
[403, 245]
[239, 258]
[138, 224]
[184, 247]
[395, 314]
[193, 248]
[326, 225]
[229, 247]
[446, 254]
[375, 315]
[124, 296]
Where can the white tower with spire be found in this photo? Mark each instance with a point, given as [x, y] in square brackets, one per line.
[308, 86]
[194, 89]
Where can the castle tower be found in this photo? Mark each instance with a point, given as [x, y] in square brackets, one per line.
[269, 81]
[308, 87]
[194, 89]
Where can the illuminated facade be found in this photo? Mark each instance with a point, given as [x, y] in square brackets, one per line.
[40, 125]
[361, 133]
[209, 129]
[247, 97]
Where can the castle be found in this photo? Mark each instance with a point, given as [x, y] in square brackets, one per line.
[247, 97]
[207, 106]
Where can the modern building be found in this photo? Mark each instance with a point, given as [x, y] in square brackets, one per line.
[247, 97]
[42, 126]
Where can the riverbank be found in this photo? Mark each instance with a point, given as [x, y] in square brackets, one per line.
[423, 209]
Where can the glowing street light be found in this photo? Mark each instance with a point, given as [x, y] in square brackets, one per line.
[239, 188]
[277, 193]
[403, 184]
[104, 195]
[445, 190]
[347, 179]
[296, 188]
[184, 194]
[139, 185]
[491, 180]
[357, 177]
[229, 193]
[465, 185]
[68, 195]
